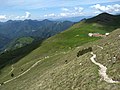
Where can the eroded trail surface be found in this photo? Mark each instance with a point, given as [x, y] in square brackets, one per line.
[102, 70]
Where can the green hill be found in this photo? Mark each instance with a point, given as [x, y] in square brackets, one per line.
[106, 19]
[54, 65]
[19, 42]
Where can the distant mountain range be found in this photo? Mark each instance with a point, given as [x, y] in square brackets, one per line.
[30, 28]
[14, 29]
[72, 19]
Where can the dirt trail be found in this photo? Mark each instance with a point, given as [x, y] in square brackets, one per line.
[102, 70]
[23, 72]
[30, 67]
[99, 46]
[12, 69]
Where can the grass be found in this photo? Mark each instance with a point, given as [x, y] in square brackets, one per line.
[13, 56]
[53, 73]
[20, 42]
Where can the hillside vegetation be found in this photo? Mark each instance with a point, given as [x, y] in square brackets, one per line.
[3, 41]
[19, 42]
[14, 29]
[54, 65]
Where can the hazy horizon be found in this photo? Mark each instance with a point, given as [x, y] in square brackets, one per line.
[54, 9]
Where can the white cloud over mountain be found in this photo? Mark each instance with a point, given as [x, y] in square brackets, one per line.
[3, 17]
[108, 8]
[27, 15]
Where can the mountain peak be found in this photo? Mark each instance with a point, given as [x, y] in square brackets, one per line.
[104, 19]
[104, 14]
[46, 20]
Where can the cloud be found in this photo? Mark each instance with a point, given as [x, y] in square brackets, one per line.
[108, 8]
[36, 4]
[50, 15]
[27, 15]
[75, 11]
[65, 9]
[66, 12]
[3, 17]
[56, 15]
[78, 9]
[63, 14]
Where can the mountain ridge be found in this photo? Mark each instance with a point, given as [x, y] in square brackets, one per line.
[32, 28]
[105, 19]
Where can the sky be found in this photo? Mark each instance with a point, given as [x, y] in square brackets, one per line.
[45, 9]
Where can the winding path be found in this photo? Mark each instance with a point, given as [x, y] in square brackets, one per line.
[99, 46]
[102, 70]
[23, 72]
[30, 67]
[12, 69]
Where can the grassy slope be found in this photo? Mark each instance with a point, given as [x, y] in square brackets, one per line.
[71, 38]
[20, 42]
[55, 74]
[63, 41]
[12, 56]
